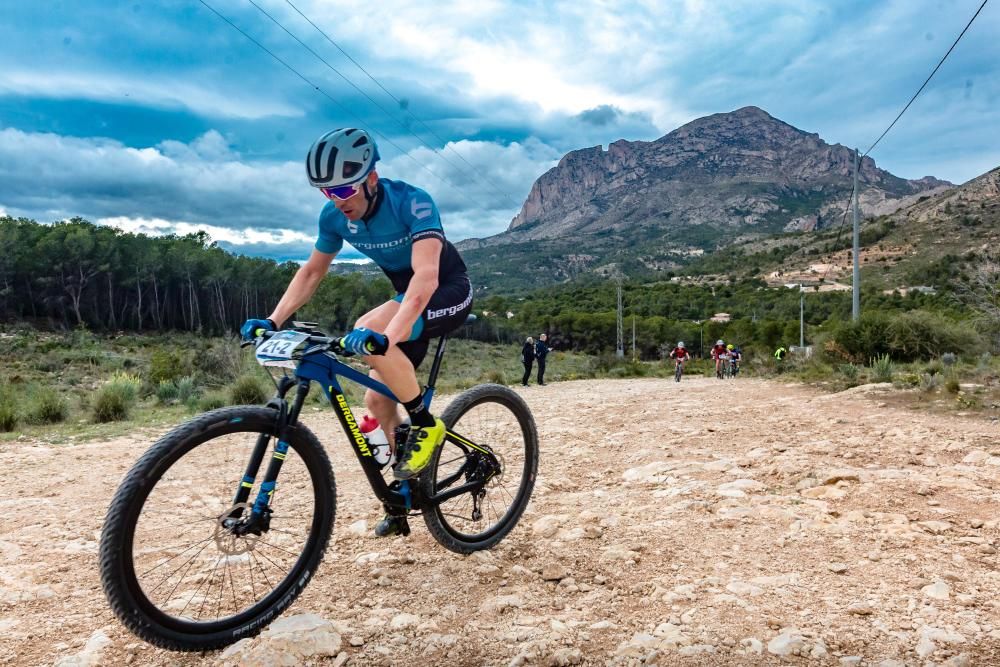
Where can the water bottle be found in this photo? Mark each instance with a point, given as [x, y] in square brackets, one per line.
[378, 443]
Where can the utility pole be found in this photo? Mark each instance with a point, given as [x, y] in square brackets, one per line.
[856, 287]
[633, 339]
[802, 319]
[620, 346]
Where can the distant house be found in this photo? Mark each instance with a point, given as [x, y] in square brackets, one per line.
[509, 314]
[720, 317]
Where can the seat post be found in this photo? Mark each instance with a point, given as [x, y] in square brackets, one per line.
[436, 366]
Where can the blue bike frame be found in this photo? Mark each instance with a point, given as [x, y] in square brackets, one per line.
[323, 367]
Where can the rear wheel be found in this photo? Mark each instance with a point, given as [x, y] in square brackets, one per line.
[175, 571]
[497, 417]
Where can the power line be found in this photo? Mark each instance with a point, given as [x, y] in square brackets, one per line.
[398, 101]
[366, 95]
[941, 62]
[330, 97]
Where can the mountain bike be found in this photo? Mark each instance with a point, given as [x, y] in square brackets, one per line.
[678, 370]
[200, 549]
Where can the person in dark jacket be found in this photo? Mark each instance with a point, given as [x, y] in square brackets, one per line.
[541, 349]
[527, 358]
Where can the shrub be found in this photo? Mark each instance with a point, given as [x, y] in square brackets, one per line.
[114, 400]
[929, 383]
[165, 364]
[248, 390]
[952, 386]
[166, 392]
[47, 406]
[864, 338]
[882, 368]
[223, 362]
[211, 401]
[496, 376]
[850, 372]
[8, 415]
[186, 389]
[919, 334]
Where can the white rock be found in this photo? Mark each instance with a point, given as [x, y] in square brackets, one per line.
[400, 621]
[743, 588]
[937, 591]
[359, 528]
[501, 602]
[960, 660]
[602, 625]
[787, 641]
[564, 657]
[546, 526]
[738, 488]
[671, 635]
[92, 653]
[289, 641]
[752, 645]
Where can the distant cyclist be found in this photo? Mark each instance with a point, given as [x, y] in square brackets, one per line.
[680, 355]
[735, 357]
[719, 355]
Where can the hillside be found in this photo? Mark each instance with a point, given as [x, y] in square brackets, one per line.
[647, 207]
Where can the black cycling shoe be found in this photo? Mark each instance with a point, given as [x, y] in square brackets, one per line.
[392, 525]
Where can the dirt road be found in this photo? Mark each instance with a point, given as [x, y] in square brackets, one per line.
[701, 523]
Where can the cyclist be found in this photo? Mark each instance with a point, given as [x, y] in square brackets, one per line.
[719, 354]
[397, 226]
[680, 355]
[735, 357]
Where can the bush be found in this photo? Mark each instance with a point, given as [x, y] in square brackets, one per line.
[952, 386]
[9, 417]
[248, 390]
[211, 401]
[864, 338]
[223, 362]
[850, 372]
[166, 392]
[882, 368]
[186, 389]
[47, 406]
[919, 334]
[114, 400]
[496, 376]
[929, 383]
[165, 365]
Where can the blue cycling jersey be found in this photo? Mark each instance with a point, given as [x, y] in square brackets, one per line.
[402, 214]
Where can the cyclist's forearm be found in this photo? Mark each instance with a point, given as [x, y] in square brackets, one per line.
[298, 293]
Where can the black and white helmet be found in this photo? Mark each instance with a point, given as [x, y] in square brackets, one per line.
[341, 157]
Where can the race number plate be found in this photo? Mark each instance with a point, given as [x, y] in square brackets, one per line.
[283, 349]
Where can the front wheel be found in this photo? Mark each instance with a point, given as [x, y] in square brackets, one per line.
[500, 484]
[175, 570]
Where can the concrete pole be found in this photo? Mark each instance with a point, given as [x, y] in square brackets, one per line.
[802, 319]
[856, 287]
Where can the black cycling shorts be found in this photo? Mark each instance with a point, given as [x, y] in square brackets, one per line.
[447, 310]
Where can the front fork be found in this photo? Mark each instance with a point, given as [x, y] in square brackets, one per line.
[259, 517]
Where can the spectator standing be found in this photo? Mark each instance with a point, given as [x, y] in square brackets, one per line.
[541, 349]
[527, 358]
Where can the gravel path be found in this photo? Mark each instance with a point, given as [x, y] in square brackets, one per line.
[701, 523]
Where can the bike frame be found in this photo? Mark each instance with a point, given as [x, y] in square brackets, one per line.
[322, 366]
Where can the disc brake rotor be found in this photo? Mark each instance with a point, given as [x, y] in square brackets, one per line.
[226, 541]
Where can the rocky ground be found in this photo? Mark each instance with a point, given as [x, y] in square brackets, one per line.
[704, 523]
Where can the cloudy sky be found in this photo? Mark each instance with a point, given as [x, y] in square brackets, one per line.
[160, 117]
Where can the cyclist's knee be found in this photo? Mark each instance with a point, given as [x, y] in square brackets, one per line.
[376, 402]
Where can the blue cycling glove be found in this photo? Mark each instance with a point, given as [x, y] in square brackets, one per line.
[363, 342]
[249, 329]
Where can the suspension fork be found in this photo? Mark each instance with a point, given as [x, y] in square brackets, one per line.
[286, 420]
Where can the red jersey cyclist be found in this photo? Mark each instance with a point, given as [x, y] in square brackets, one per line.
[680, 355]
[720, 354]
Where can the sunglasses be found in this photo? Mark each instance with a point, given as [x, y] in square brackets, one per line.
[343, 192]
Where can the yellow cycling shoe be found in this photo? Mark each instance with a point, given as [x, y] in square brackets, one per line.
[419, 447]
